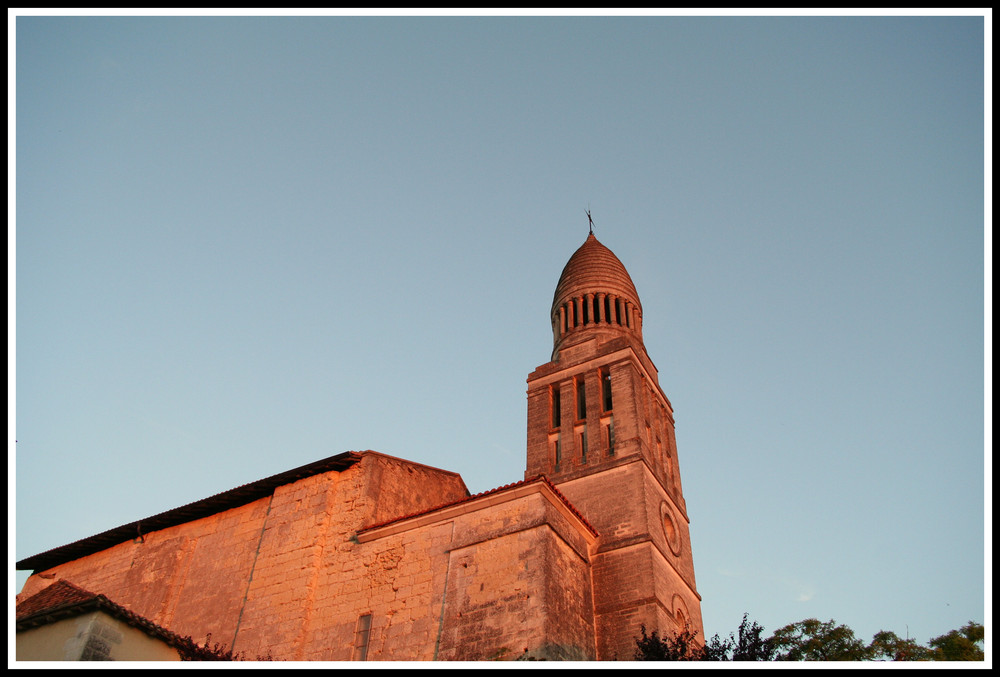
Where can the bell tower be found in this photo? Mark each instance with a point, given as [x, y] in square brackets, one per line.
[602, 430]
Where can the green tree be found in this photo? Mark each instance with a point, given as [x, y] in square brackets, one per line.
[964, 644]
[749, 645]
[682, 646]
[812, 640]
[217, 652]
[887, 646]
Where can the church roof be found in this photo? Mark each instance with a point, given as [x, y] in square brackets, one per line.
[63, 599]
[594, 268]
[61, 594]
[241, 495]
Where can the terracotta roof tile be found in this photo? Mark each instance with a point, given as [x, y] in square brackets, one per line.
[57, 595]
[63, 599]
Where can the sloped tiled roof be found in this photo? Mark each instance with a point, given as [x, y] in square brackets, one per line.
[55, 596]
[63, 599]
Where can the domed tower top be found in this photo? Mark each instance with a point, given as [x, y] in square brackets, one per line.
[595, 294]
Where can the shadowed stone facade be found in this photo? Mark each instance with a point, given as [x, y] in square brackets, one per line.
[365, 556]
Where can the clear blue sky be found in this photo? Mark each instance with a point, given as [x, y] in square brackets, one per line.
[245, 244]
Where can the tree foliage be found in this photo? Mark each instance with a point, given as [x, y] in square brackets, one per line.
[217, 652]
[682, 646]
[748, 645]
[960, 645]
[810, 640]
[887, 646]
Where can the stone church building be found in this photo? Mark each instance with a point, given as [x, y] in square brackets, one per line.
[364, 556]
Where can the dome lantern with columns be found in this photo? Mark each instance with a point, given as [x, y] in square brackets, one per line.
[595, 294]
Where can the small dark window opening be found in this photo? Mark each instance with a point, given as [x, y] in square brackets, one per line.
[607, 309]
[586, 311]
[611, 438]
[361, 639]
[583, 446]
[581, 400]
[606, 389]
[556, 408]
[558, 449]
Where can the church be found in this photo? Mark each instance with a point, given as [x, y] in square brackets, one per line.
[365, 556]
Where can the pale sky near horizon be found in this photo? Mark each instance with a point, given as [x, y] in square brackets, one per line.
[244, 244]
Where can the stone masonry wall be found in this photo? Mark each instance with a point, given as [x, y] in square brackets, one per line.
[189, 579]
[494, 580]
[501, 576]
[251, 576]
[636, 572]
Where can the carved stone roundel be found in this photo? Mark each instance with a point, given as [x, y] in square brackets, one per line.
[670, 530]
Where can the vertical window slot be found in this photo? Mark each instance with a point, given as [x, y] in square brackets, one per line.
[361, 638]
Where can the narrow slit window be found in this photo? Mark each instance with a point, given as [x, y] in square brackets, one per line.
[556, 407]
[611, 437]
[606, 389]
[361, 638]
[581, 400]
[583, 445]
